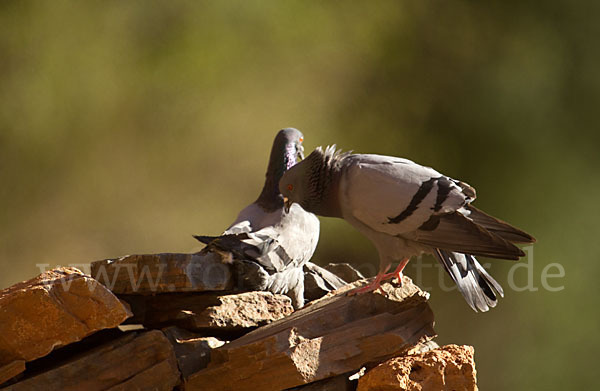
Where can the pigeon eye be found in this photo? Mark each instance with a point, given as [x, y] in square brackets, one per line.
[301, 139]
[290, 187]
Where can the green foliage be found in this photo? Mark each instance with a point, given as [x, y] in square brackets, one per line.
[125, 127]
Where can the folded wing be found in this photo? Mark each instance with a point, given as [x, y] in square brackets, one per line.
[401, 198]
[397, 196]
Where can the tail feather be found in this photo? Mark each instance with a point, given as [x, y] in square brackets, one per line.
[475, 284]
[255, 246]
[205, 239]
[238, 245]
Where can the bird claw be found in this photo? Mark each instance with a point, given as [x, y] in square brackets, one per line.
[397, 273]
[376, 283]
[371, 287]
[390, 276]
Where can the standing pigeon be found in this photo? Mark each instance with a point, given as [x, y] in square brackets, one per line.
[266, 240]
[406, 209]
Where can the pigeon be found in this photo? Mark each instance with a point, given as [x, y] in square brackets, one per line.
[406, 209]
[268, 245]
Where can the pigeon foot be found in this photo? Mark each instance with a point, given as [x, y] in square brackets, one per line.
[397, 273]
[372, 286]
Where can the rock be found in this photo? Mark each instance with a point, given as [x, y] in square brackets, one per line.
[423, 347]
[11, 370]
[56, 308]
[157, 273]
[192, 351]
[336, 383]
[333, 335]
[345, 271]
[319, 281]
[210, 313]
[135, 361]
[450, 367]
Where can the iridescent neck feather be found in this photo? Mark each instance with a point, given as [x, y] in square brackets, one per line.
[322, 181]
[282, 158]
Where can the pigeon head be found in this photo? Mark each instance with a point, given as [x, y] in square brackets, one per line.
[314, 182]
[287, 150]
[288, 143]
[295, 185]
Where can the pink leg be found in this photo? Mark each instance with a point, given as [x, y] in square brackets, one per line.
[398, 272]
[373, 286]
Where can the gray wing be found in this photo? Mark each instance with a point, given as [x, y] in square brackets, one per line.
[291, 242]
[395, 196]
[278, 251]
[455, 232]
[497, 226]
[401, 198]
[262, 247]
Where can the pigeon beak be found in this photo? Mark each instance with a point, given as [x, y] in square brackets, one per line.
[287, 204]
[300, 153]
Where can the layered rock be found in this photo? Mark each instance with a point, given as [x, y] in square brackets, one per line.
[334, 335]
[167, 272]
[56, 308]
[134, 361]
[211, 313]
[448, 368]
[193, 351]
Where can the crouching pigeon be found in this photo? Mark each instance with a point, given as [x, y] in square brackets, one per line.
[267, 246]
[406, 209]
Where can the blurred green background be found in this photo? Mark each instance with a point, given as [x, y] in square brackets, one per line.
[125, 127]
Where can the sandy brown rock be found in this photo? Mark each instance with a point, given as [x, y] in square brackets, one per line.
[211, 313]
[11, 370]
[157, 273]
[345, 271]
[193, 351]
[448, 368]
[423, 347]
[134, 361]
[333, 335]
[335, 383]
[56, 308]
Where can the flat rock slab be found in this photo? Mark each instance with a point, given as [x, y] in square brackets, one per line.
[211, 313]
[336, 383]
[448, 368]
[319, 281]
[11, 370]
[193, 351]
[331, 336]
[168, 272]
[345, 271]
[135, 361]
[56, 308]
